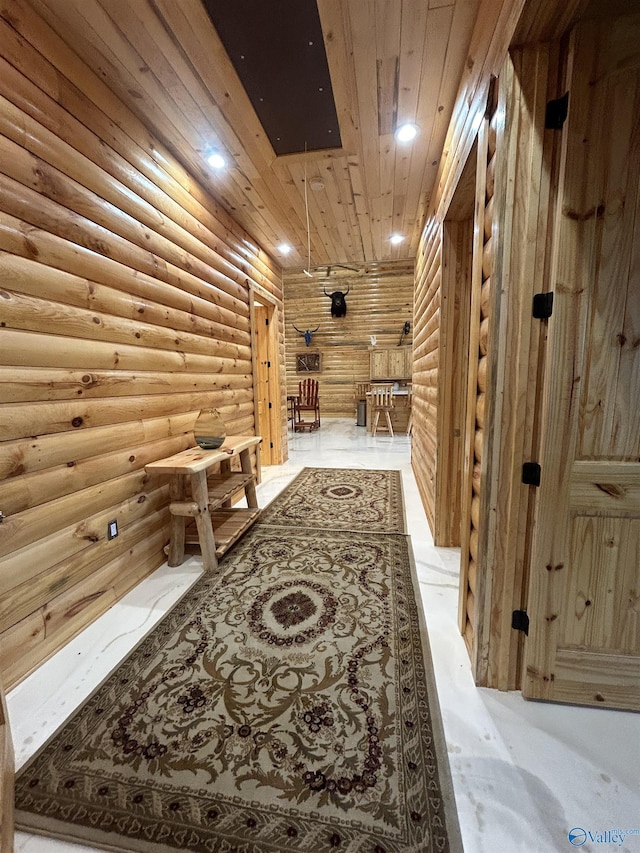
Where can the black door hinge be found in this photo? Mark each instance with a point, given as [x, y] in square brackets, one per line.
[271, 445]
[266, 321]
[531, 474]
[492, 98]
[520, 621]
[268, 364]
[556, 113]
[543, 305]
[270, 405]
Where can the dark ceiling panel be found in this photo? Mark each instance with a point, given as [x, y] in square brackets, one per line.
[277, 49]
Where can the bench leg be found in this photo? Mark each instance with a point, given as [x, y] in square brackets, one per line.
[250, 488]
[176, 541]
[203, 520]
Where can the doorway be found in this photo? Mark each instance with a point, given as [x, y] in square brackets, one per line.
[266, 382]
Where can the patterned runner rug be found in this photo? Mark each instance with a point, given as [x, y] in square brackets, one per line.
[286, 703]
[352, 499]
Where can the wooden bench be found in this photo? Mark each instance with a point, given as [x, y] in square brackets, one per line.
[217, 524]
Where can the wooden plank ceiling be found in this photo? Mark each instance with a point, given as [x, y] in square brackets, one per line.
[390, 61]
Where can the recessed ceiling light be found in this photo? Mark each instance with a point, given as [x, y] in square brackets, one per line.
[406, 132]
[396, 238]
[284, 248]
[216, 160]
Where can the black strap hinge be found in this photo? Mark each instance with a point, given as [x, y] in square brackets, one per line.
[520, 621]
[543, 305]
[492, 98]
[531, 474]
[556, 113]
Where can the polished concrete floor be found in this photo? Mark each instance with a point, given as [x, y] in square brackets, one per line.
[525, 774]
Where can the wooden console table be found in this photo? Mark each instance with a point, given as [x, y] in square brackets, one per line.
[218, 525]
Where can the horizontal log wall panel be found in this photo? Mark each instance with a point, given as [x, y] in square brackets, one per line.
[24, 240]
[25, 276]
[50, 383]
[37, 638]
[39, 315]
[379, 302]
[38, 590]
[37, 453]
[26, 349]
[124, 310]
[424, 446]
[53, 100]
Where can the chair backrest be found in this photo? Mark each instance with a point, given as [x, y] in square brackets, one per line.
[361, 391]
[382, 395]
[308, 392]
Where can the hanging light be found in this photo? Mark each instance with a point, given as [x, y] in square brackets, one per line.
[306, 208]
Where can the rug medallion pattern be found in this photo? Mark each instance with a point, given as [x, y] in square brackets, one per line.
[342, 499]
[281, 706]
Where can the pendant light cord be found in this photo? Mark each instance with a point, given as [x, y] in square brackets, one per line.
[306, 207]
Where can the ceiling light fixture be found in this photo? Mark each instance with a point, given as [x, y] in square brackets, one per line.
[406, 132]
[216, 160]
[284, 248]
[396, 238]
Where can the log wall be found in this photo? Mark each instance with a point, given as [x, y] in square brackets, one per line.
[515, 163]
[489, 45]
[470, 611]
[426, 352]
[379, 302]
[509, 379]
[124, 310]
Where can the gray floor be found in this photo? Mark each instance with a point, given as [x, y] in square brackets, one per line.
[525, 774]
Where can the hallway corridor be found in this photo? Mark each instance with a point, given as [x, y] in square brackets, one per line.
[524, 773]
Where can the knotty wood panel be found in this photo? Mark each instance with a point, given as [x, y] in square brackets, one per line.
[583, 594]
[488, 47]
[511, 261]
[124, 310]
[389, 63]
[379, 302]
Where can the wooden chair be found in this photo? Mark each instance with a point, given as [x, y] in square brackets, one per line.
[307, 402]
[360, 395]
[410, 405]
[381, 402]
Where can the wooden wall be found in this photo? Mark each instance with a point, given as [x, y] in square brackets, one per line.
[514, 196]
[379, 302]
[425, 365]
[124, 309]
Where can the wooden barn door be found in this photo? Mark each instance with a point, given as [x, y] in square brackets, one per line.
[584, 602]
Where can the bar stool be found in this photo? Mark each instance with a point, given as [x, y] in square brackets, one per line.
[382, 402]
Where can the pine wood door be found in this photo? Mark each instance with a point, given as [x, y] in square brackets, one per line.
[584, 601]
[264, 372]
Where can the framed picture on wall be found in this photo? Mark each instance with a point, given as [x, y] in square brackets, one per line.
[308, 362]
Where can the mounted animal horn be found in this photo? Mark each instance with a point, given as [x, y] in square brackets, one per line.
[338, 303]
[306, 334]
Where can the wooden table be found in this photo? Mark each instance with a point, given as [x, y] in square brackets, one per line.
[218, 525]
